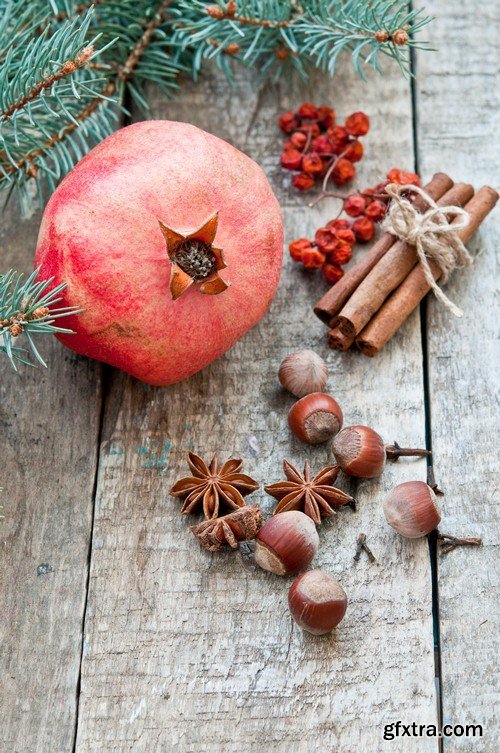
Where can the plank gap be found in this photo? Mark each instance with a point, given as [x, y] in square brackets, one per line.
[432, 539]
[102, 409]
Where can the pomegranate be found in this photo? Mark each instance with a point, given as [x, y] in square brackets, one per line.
[171, 241]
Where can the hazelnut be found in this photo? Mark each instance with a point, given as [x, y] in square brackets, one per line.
[359, 451]
[317, 602]
[286, 543]
[303, 372]
[315, 418]
[411, 509]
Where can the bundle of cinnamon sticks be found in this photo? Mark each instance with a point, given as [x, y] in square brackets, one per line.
[376, 296]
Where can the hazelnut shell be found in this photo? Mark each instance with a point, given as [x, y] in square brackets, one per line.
[411, 509]
[315, 418]
[359, 451]
[286, 543]
[303, 372]
[317, 602]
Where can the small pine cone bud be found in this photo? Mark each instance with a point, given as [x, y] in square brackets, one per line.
[382, 36]
[40, 312]
[16, 330]
[400, 37]
[215, 11]
[231, 8]
[282, 53]
[85, 54]
[232, 49]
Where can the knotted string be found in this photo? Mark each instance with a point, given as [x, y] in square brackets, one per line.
[431, 233]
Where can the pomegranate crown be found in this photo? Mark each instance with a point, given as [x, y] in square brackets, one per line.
[194, 260]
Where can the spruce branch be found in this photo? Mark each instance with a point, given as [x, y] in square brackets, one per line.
[57, 101]
[67, 68]
[312, 32]
[49, 122]
[28, 308]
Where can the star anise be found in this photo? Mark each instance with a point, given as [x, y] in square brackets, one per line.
[211, 488]
[194, 260]
[241, 525]
[316, 497]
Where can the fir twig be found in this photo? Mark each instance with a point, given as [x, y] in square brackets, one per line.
[53, 113]
[28, 307]
[69, 67]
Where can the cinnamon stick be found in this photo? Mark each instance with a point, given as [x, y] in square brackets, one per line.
[406, 298]
[331, 303]
[338, 341]
[388, 274]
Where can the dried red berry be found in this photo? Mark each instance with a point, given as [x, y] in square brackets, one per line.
[288, 122]
[346, 235]
[339, 224]
[332, 273]
[310, 128]
[342, 253]
[326, 239]
[291, 159]
[313, 258]
[297, 247]
[302, 181]
[402, 178]
[298, 139]
[354, 151]
[354, 205]
[339, 138]
[363, 229]
[376, 210]
[326, 116]
[369, 194]
[343, 172]
[308, 111]
[321, 145]
[357, 124]
[312, 163]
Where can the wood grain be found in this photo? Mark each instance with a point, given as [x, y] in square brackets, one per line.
[49, 423]
[191, 651]
[458, 102]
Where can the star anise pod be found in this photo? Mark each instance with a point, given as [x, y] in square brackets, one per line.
[211, 488]
[316, 497]
[194, 260]
[241, 525]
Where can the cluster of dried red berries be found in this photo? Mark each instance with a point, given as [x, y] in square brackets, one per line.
[317, 148]
[332, 244]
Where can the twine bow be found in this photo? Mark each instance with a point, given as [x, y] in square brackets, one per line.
[432, 234]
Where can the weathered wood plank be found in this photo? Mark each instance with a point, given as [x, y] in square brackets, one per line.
[189, 651]
[458, 102]
[48, 426]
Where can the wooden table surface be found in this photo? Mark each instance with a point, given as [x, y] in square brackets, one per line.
[119, 633]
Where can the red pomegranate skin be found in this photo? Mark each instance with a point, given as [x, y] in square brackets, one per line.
[100, 235]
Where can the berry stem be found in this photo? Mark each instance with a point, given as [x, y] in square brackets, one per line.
[308, 142]
[394, 451]
[448, 542]
[331, 169]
